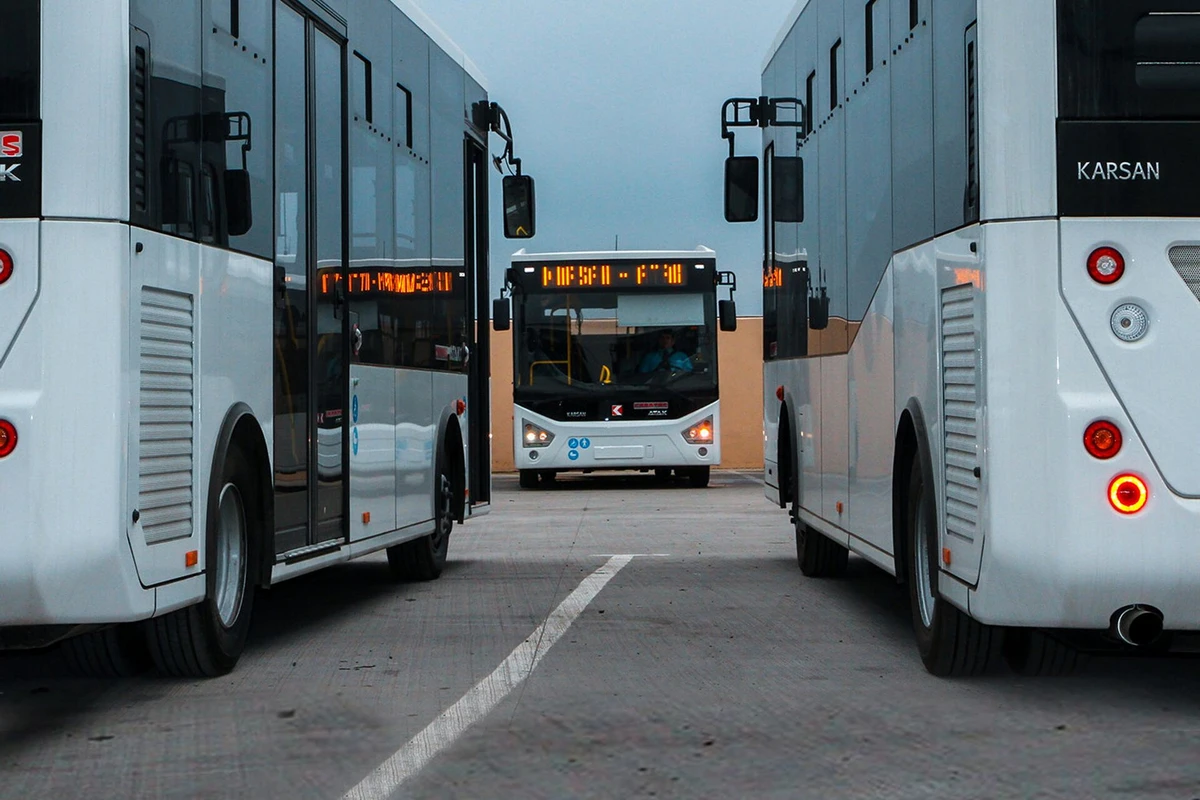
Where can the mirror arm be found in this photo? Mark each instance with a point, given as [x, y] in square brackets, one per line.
[499, 124]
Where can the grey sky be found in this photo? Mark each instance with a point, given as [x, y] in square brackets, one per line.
[615, 106]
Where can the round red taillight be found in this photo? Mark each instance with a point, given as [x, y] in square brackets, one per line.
[1128, 494]
[1102, 439]
[8, 437]
[1106, 265]
[6, 266]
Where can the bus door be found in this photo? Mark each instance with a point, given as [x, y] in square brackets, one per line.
[310, 436]
[479, 403]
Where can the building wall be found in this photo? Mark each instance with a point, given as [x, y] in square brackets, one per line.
[740, 354]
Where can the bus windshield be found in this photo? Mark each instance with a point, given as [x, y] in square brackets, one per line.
[593, 341]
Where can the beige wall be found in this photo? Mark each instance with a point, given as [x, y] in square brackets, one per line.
[740, 355]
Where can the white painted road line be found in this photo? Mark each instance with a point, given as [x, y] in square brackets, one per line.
[487, 694]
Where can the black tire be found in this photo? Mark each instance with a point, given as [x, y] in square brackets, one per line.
[528, 479]
[116, 652]
[1035, 653]
[206, 640]
[818, 555]
[424, 559]
[662, 473]
[698, 477]
[951, 643]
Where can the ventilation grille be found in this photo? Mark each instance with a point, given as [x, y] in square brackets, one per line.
[167, 405]
[1186, 260]
[960, 392]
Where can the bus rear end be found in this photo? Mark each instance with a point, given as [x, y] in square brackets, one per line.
[64, 557]
[1109, 490]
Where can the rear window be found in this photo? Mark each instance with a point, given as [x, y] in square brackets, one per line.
[1129, 59]
[20, 49]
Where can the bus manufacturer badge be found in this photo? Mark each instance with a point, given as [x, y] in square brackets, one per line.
[618, 411]
[12, 144]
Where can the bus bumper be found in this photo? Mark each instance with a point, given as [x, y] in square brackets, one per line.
[644, 444]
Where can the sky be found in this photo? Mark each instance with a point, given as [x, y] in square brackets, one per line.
[616, 113]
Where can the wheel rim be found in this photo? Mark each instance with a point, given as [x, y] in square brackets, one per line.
[231, 555]
[445, 509]
[926, 599]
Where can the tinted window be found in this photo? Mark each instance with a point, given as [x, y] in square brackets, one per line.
[1129, 59]
[238, 102]
[19, 61]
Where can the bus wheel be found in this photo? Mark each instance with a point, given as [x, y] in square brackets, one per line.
[818, 555]
[950, 642]
[116, 652]
[424, 559]
[528, 479]
[1034, 653]
[698, 477]
[205, 640]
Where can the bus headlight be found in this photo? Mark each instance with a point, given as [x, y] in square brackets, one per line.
[536, 436]
[700, 433]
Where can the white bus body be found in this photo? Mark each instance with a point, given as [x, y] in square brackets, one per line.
[195, 411]
[963, 163]
[584, 402]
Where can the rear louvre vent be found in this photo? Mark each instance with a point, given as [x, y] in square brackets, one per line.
[1186, 260]
[960, 388]
[167, 406]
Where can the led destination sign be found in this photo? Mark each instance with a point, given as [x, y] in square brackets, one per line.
[390, 281]
[606, 275]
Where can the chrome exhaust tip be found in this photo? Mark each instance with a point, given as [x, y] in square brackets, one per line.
[1138, 625]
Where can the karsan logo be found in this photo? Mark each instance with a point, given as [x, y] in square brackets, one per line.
[12, 144]
[1120, 170]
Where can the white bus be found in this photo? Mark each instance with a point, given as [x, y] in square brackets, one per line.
[243, 274]
[615, 362]
[977, 319]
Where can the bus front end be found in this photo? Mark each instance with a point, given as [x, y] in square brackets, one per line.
[615, 358]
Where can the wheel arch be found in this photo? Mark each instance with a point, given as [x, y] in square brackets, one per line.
[241, 432]
[450, 446]
[912, 447]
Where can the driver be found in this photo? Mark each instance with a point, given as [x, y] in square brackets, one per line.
[665, 356]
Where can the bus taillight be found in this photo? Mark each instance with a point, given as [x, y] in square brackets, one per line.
[1128, 494]
[1106, 265]
[8, 437]
[6, 266]
[1102, 439]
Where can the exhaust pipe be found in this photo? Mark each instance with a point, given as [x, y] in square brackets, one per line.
[1138, 626]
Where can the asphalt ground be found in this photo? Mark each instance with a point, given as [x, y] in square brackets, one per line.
[706, 666]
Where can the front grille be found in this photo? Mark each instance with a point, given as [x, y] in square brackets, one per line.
[1186, 260]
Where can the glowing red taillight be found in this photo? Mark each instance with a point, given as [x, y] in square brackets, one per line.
[6, 266]
[1102, 439]
[1128, 494]
[8, 437]
[1106, 265]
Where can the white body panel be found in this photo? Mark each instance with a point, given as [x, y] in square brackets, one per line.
[85, 113]
[643, 444]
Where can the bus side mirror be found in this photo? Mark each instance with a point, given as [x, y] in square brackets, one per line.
[240, 213]
[741, 189]
[501, 318]
[818, 312]
[520, 216]
[787, 189]
[727, 310]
